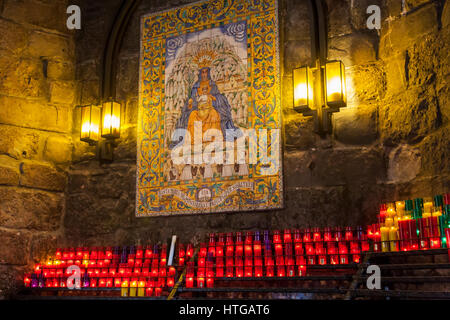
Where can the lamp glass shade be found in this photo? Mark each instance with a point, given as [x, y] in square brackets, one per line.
[335, 84]
[303, 93]
[90, 123]
[111, 120]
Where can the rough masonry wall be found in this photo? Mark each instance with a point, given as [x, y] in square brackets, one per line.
[37, 92]
[391, 142]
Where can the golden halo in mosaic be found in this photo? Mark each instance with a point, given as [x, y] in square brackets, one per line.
[204, 58]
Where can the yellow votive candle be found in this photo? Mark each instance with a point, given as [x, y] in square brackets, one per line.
[426, 214]
[427, 206]
[393, 237]
[389, 222]
[437, 213]
[384, 239]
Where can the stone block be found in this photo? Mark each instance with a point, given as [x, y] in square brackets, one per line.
[399, 34]
[21, 77]
[87, 216]
[15, 248]
[334, 167]
[58, 149]
[409, 117]
[50, 15]
[411, 4]
[404, 163]
[309, 206]
[339, 18]
[131, 112]
[127, 147]
[9, 171]
[14, 37]
[297, 20]
[128, 78]
[60, 70]
[20, 143]
[423, 62]
[297, 53]
[299, 132]
[394, 7]
[42, 176]
[435, 150]
[353, 49]
[30, 209]
[44, 246]
[51, 46]
[34, 114]
[88, 70]
[90, 92]
[365, 84]
[62, 92]
[395, 74]
[356, 126]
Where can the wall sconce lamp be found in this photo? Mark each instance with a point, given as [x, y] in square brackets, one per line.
[90, 124]
[320, 90]
[104, 121]
[101, 122]
[111, 120]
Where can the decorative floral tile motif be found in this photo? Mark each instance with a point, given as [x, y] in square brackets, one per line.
[209, 70]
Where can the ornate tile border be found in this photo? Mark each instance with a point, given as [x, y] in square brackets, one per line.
[156, 195]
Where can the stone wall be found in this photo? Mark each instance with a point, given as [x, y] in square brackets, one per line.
[391, 142]
[37, 93]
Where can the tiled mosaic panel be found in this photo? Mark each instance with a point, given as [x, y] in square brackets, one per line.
[215, 62]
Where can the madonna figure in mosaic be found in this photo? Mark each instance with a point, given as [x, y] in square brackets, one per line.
[206, 105]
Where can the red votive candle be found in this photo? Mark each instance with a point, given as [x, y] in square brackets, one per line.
[289, 260]
[239, 266]
[219, 267]
[307, 236]
[268, 259]
[327, 236]
[317, 236]
[181, 254]
[287, 237]
[212, 244]
[435, 240]
[343, 252]
[219, 245]
[424, 233]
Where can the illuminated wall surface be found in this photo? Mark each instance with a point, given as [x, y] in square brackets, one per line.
[390, 143]
[207, 80]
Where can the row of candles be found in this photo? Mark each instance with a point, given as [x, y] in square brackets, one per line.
[143, 270]
[138, 271]
[413, 224]
[278, 254]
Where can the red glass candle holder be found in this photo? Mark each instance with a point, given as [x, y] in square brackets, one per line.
[219, 267]
[302, 270]
[317, 236]
[424, 233]
[307, 236]
[210, 282]
[327, 235]
[189, 282]
[348, 234]
[343, 252]
[287, 236]
[200, 282]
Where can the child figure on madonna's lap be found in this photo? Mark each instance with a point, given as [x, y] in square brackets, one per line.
[206, 114]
